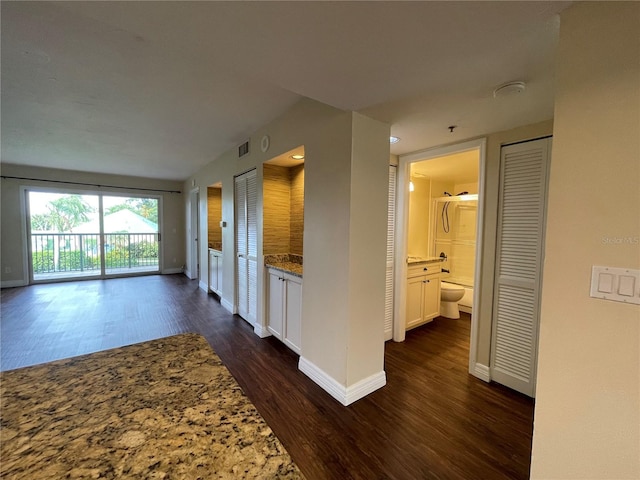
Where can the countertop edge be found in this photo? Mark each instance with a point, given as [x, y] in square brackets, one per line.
[283, 269]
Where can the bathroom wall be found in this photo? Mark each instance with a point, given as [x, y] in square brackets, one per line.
[296, 225]
[465, 187]
[419, 208]
[214, 215]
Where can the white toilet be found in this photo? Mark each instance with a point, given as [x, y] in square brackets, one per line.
[450, 295]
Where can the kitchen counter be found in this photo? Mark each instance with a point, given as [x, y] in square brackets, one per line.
[166, 408]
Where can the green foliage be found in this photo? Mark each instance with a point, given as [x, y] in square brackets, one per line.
[43, 261]
[71, 261]
[119, 258]
[145, 250]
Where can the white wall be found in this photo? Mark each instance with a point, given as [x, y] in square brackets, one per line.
[587, 417]
[346, 172]
[13, 222]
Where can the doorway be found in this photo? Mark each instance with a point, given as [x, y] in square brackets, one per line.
[83, 235]
[427, 235]
[193, 229]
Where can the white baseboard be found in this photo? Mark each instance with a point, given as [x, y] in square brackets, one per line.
[14, 283]
[227, 305]
[203, 286]
[481, 371]
[345, 395]
[171, 271]
[262, 332]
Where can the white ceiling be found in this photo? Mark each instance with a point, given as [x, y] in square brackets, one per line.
[159, 89]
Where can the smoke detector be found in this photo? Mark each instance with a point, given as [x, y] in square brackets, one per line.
[510, 88]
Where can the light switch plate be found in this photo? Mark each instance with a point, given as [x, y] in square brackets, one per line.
[616, 284]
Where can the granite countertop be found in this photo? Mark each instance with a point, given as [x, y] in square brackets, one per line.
[285, 262]
[419, 260]
[167, 408]
[286, 267]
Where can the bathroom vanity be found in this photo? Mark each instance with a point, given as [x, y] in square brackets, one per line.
[423, 291]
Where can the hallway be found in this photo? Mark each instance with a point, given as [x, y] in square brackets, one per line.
[431, 420]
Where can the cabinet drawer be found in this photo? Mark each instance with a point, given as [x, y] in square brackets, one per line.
[423, 269]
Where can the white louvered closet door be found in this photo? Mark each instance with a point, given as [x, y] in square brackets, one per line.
[246, 245]
[252, 246]
[391, 224]
[519, 257]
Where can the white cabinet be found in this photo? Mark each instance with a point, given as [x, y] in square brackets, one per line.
[284, 309]
[215, 272]
[423, 294]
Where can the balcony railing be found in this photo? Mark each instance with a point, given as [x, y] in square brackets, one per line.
[54, 253]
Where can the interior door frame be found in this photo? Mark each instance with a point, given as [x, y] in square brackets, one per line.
[402, 233]
[193, 267]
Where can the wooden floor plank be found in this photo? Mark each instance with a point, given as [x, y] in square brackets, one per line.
[432, 420]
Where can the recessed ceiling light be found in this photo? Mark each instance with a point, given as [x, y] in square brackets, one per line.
[393, 139]
[297, 157]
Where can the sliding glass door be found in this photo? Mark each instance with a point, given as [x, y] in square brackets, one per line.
[92, 235]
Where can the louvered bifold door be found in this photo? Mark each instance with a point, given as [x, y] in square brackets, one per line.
[242, 275]
[519, 256]
[391, 223]
[252, 246]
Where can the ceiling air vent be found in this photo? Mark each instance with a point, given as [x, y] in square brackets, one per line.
[243, 149]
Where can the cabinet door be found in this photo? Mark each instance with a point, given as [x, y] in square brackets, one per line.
[431, 299]
[414, 301]
[219, 275]
[213, 272]
[293, 315]
[275, 310]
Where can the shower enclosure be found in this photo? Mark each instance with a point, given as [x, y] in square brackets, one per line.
[453, 236]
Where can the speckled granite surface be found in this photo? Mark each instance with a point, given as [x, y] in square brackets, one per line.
[166, 409]
[285, 262]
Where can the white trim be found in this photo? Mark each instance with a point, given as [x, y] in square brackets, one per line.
[345, 395]
[480, 371]
[188, 273]
[261, 331]
[477, 282]
[25, 238]
[171, 271]
[366, 386]
[14, 283]
[203, 286]
[402, 227]
[227, 305]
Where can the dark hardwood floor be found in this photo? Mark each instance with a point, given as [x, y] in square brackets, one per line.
[432, 420]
